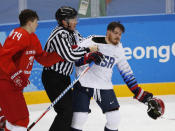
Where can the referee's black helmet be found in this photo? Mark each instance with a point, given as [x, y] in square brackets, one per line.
[65, 13]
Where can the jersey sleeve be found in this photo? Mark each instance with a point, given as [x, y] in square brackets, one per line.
[128, 75]
[84, 43]
[43, 57]
[61, 44]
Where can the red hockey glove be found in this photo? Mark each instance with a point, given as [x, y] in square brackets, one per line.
[144, 97]
[96, 57]
[19, 80]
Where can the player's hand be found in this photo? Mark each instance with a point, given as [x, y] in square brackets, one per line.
[95, 57]
[93, 48]
[145, 97]
[19, 80]
[156, 108]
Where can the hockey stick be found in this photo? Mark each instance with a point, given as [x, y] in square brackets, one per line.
[60, 96]
[165, 118]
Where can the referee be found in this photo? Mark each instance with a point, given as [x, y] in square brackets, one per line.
[56, 78]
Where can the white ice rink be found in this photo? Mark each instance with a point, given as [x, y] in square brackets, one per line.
[133, 113]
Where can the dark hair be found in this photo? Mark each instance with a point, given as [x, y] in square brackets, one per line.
[113, 25]
[27, 15]
[65, 13]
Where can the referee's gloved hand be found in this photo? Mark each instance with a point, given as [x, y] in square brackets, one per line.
[95, 57]
[19, 80]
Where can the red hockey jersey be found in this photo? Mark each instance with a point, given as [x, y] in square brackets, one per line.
[19, 51]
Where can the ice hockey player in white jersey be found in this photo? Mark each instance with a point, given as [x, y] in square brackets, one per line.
[97, 82]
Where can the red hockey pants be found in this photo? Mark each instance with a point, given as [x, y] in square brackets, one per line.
[13, 104]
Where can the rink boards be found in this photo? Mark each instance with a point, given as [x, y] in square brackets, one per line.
[37, 97]
[149, 43]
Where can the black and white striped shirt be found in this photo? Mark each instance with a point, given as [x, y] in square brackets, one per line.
[61, 41]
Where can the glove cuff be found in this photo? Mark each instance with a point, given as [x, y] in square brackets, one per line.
[144, 96]
[16, 74]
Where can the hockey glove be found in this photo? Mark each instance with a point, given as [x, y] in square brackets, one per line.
[95, 57]
[145, 96]
[156, 108]
[19, 80]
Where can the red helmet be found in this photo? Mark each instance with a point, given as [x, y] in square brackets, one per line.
[156, 108]
[161, 105]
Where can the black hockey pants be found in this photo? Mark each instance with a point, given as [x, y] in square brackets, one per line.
[54, 85]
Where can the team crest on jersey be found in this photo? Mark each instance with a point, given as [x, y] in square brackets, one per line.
[107, 62]
[30, 52]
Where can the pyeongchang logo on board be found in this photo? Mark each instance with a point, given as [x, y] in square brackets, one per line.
[162, 53]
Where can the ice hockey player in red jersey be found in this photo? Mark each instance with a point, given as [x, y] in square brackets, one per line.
[2, 118]
[16, 60]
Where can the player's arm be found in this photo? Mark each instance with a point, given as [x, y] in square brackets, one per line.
[95, 57]
[45, 58]
[130, 80]
[64, 48]
[48, 59]
[11, 53]
[155, 106]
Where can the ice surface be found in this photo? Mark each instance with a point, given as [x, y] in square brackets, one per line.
[133, 116]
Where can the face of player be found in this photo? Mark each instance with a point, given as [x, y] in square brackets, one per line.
[114, 36]
[33, 25]
[71, 24]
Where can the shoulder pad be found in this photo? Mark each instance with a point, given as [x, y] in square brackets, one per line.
[98, 39]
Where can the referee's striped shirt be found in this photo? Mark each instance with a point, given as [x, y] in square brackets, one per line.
[61, 41]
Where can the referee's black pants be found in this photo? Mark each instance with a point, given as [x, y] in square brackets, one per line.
[54, 85]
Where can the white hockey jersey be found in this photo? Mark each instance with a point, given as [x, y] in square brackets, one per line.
[100, 76]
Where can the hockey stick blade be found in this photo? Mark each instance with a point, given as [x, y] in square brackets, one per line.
[165, 118]
[60, 96]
